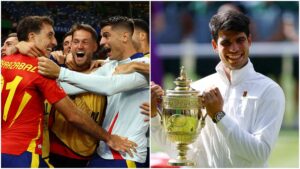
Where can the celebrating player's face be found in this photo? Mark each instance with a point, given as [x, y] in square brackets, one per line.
[8, 46]
[112, 43]
[233, 48]
[67, 44]
[83, 47]
[45, 39]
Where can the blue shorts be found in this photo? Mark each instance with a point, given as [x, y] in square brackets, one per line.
[24, 160]
[99, 162]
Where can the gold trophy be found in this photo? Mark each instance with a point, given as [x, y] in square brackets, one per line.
[182, 118]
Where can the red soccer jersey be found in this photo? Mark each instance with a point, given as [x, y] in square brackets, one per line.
[23, 91]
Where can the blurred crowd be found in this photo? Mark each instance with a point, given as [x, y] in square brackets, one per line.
[65, 14]
[271, 20]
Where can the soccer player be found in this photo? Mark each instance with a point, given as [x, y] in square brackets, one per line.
[8, 47]
[140, 40]
[23, 94]
[59, 56]
[141, 36]
[71, 147]
[125, 92]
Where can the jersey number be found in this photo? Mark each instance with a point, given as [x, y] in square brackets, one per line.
[12, 86]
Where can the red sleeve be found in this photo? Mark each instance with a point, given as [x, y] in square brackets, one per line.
[50, 89]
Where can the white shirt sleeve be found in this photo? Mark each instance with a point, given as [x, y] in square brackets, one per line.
[256, 145]
[71, 90]
[105, 85]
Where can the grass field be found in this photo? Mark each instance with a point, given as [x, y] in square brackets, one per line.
[284, 155]
[286, 152]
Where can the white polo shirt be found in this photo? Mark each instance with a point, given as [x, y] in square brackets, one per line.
[254, 107]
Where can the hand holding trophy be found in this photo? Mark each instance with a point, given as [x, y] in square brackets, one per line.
[182, 118]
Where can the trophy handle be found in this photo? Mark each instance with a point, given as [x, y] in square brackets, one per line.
[159, 112]
[159, 108]
[201, 117]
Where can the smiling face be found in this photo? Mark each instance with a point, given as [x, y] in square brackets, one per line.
[112, 42]
[82, 48]
[9, 46]
[67, 44]
[233, 48]
[45, 39]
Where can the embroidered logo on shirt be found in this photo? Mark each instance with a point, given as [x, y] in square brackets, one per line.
[245, 93]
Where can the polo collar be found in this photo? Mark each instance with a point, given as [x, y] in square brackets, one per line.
[236, 76]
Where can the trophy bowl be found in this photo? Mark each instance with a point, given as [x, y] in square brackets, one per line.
[182, 118]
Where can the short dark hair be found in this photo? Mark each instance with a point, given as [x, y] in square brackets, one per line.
[118, 21]
[32, 24]
[85, 27]
[229, 21]
[68, 34]
[141, 24]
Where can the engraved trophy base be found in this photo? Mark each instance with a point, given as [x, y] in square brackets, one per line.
[177, 162]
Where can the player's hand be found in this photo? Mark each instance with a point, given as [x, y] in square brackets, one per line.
[70, 61]
[97, 63]
[48, 68]
[59, 56]
[156, 93]
[145, 110]
[122, 144]
[29, 48]
[213, 101]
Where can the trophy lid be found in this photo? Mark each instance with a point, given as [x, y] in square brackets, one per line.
[182, 85]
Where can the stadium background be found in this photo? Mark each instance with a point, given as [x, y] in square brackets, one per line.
[180, 36]
[65, 14]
